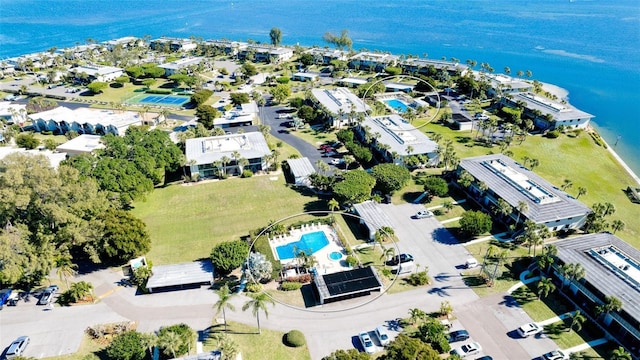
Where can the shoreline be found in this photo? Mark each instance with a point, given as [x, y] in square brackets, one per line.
[617, 157]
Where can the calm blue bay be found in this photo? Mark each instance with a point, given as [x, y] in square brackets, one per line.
[591, 48]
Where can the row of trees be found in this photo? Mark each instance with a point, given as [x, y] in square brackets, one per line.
[174, 341]
[49, 216]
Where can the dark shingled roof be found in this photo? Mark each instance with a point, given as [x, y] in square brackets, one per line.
[602, 277]
[565, 207]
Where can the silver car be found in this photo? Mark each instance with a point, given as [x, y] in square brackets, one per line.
[17, 347]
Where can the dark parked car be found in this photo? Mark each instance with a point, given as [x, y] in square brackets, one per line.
[458, 335]
[400, 259]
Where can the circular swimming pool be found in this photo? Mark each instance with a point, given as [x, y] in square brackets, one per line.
[336, 255]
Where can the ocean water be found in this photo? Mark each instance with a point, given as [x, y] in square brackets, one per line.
[591, 48]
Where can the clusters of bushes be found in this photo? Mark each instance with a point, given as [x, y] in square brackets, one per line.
[418, 279]
[199, 97]
[553, 134]
[158, 91]
[361, 153]
[302, 278]
[229, 255]
[102, 330]
[246, 173]
[290, 286]
[598, 140]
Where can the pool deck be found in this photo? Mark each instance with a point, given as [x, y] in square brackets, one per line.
[324, 264]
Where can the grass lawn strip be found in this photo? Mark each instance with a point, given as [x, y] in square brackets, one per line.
[254, 346]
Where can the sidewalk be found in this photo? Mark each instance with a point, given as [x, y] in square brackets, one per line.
[586, 346]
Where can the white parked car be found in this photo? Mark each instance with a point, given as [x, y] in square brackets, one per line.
[529, 329]
[467, 349]
[423, 214]
[555, 355]
[367, 343]
[383, 336]
[336, 161]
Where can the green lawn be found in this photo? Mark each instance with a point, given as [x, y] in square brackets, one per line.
[552, 306]
[186, 221]
[265, 346]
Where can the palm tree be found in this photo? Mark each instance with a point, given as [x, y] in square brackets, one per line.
[333, 204]
[567, 184]
[503, 208]
[581, 191]
[387, 253]
[66, 268]
[447, 205]
[150, 340]
[617, 225]
[225, 160]
[258, 302]
[416, 314]
[611, 303]
[521, 207]
[572, 272]
[170, 341]
[620, 354]
[577, 319]
[224, 296]
[545, 286]
[446, 308]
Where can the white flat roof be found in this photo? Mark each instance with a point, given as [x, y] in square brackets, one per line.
[206, 150]
[181, 63]
[340, 99]
[82, 143]
[95, 70]
[399, 134]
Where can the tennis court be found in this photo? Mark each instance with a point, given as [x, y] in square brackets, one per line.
[162, 100]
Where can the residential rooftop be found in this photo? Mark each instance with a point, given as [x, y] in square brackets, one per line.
[514, 183]
[207, 150]
[399, 135]
[559, 110]
[339, 99]
[611, 265]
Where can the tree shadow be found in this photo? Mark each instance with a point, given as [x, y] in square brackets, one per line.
[445, 236]
[411, 196]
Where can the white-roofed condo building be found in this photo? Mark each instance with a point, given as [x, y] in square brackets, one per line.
[396, 140]
[227, 154]
[90, 72]
[340, 104]
[61, 120]
[503, 178]
[547, 114]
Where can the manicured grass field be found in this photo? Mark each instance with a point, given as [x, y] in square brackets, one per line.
[265, 346]
[186, 221]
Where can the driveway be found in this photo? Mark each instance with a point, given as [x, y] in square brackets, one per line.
[281, 131]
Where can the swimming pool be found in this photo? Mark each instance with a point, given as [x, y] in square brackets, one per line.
[171, 100]
[397, 105]
[309, 243]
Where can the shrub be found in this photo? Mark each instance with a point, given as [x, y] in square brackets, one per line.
[437, 212]
[290, 286]
[46, 132]
[183, 332]
[304, 278]
[351, 261]
[283, 80]
[201, 96]
[418, 279]
[254, 288]
[247, 173]
[475, 223]
[553, 134]
[386, 273]
[158, 91]
[294, 338]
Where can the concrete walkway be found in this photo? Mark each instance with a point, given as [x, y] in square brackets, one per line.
[450, 220]
[555, 319]
[486, 238]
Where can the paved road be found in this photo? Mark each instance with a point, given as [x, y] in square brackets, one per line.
[281, 131]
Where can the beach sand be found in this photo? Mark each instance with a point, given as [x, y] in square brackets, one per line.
[619, 159]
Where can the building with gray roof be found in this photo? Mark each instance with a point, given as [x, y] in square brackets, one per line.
[81, 144]
[208, 156]
[181, 275]
[547, 114]
[340, 104]
[397, 140]
[372, 217]
[418, 65]
[612, 269]
[324, 56]
[300, 169]
[374, 61]
[96, 72]
[510, 181]
[173, 67]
